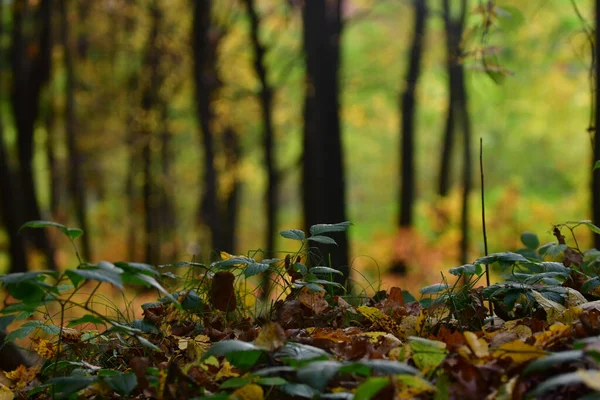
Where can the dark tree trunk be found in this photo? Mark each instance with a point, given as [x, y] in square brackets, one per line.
[76, 185]
[9, 207]
[53, 163]
[458, 117]
[266, 105]
[167, 215]
[407, 129]
[151, 86]
[596, 141]
[229, 213]
[30, 74]
[323, 173]
[454, 30]
[206, 81]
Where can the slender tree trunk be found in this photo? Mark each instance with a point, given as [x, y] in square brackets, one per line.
[30, 74]
[323, 178]
[266, 105]
[458, 117]
[229, 213]
[9, 205]
[596, 141]
[206, 81]
[55, 183]
[76, 185]
[407, 130]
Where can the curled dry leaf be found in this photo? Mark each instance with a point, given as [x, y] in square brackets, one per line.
[222, 293]
[313, 300]
[271, 337]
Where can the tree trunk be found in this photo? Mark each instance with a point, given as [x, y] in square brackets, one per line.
[30, 74]
[206, 81]
[323, 172]
[266, 105]
[407, 130]
[596, 141]
[76, 185]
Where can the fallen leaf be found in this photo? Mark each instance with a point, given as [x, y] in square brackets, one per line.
[518, 351]
[271, 337]
[249, 392]
[222, 293]
[313, 300]
[478, 346]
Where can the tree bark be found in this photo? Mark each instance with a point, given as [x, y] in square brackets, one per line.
[407, 130]
[323, 166]
[76, 184]
[596, 142]
[30, 74]
[206, 81]
[266, 105]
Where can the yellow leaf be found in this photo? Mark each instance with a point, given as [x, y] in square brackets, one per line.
[478, 346]
[249, 392]
[381, 320]
[6, 393]
[554, 311]
[271, 337]
[590, 378]
[226, 371]
[552, 334]
[518, 351]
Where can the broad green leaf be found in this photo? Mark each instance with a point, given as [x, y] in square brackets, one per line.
[144, 326]
[228, 346]
[150, 281]
[569, 378]
[110, 267]
[299, 390]
[148, 344]
[244, 359]
[5, 321]
[232, 262]
[19, 277]
[596, 165]
[369, 388]
[87, 319]
[325, 228]
[192, 301]
[19, 333]
[322, 239]
[141, 268]
[530, 240]
[65, 386]
[552, 249]
[427, 354]
[236, 382]
[389, 367]
[294, 234]
[318, 373]
[27, 292]
[467, 269]
[274, 371]
[49, 329]
[71, 233]
[271, 381]
[506, 257]
[255, 269]
[300, 352]
[433, 289]
[122, 383]
[325, 270]
[546, 363]
[97, 274]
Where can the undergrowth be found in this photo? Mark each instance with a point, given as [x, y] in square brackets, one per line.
[212, 332]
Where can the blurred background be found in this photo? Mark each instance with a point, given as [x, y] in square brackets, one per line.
[167, 128]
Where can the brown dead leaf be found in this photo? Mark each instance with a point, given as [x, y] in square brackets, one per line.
[313, 300]
[222, 293]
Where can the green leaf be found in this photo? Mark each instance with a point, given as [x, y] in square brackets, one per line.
[299, 390]
[144, 326]
[255, 269]
[145, 269]
[97, 274]
[506, 257]
[596, 165]
[294, 234]
[427, 354]
[19, 277]
[271, 381]
[87, 319]
[300, 352]
[592, 227]
[543, 364]
[19, 333]
[71, 233]
[530, 240]
[5, 321]
[109, 267]
[467, 269]
[325, 270]
[228, 346]
[318, 374]
[244, 359]
[509, 18]
[369, 388]
[65, 386]
[322, 239]
[232, 262]
[389, 367]
[122, 383]
[148, 344]
[433, 289]
[570, 378]
[325, 228]
[47, 328]
[236, 382]
[150, 281]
